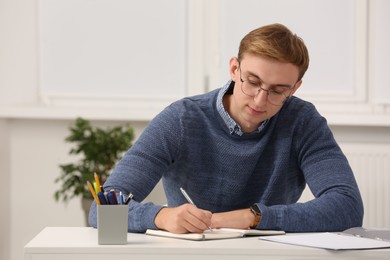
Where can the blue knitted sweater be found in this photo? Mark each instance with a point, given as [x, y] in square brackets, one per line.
[189, 145]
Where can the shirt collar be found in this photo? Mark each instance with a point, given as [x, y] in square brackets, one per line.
[233, 127]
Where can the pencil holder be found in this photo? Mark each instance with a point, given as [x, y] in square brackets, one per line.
[112, 222]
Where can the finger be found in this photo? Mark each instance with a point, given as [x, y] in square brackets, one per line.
[203, 215]
[198, 220]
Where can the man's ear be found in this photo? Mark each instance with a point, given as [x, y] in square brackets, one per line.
[233, 68]
[296, 87]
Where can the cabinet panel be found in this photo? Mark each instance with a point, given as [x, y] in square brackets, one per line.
[328, 27]
[379, 47]
[123, 49]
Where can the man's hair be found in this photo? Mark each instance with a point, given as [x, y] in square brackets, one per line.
[277, 42]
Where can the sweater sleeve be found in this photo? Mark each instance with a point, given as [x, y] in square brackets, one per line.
[337, 204]
[142, 167]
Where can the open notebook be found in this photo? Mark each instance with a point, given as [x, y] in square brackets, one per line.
[222, 233]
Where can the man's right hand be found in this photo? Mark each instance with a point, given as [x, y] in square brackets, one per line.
[183, 219]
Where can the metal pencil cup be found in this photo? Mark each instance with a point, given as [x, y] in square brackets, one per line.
[112, 222]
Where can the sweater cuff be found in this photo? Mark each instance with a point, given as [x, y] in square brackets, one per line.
[271, 217]
[148, 215]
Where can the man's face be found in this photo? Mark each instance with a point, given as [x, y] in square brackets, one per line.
[250, 111]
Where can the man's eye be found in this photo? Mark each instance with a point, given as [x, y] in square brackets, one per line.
[254, 83]
[278, 90]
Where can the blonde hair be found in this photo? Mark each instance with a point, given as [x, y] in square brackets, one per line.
[277, 42]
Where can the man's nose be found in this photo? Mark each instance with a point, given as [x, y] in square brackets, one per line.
[261, 97]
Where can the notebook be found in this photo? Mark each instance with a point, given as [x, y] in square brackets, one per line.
[221, 233]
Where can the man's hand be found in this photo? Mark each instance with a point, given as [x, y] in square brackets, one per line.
[242, 219]
[183, 219]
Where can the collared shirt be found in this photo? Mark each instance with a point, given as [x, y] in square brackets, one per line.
[234, 128]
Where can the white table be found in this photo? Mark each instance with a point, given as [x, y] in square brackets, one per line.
[80, 243]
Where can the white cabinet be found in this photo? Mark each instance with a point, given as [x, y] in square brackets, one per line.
[379, 51]
[328, 27]
[112, 53]
[129, 59]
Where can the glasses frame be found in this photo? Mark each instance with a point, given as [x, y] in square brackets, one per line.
[266, 90]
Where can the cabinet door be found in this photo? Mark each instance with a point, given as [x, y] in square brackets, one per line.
[329, 29]
[121, 51]
[380, 54]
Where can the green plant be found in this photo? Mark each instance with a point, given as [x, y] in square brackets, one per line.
[99, 149]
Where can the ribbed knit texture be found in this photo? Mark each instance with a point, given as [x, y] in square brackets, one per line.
[189, 145]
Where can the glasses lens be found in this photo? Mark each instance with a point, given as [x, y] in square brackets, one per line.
[249, 89]
[275, 98]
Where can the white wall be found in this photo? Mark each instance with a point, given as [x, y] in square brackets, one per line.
[36, 148]
[32, 139]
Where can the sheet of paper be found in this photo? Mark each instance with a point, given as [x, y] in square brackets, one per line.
[329, 241]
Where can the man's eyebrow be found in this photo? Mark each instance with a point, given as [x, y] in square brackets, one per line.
[251, 74]
[281, 85]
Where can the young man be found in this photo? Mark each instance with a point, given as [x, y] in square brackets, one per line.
[243, 153]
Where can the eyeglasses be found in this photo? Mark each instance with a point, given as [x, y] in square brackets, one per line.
[276, 95]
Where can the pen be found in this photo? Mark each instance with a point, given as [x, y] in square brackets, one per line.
[97, 181]
[188, 198]
[129, 198]
[111, 198]
[121, 201]
[95, 187]
[102, 198]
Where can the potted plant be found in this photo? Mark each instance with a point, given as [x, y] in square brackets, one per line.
[99, 150]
